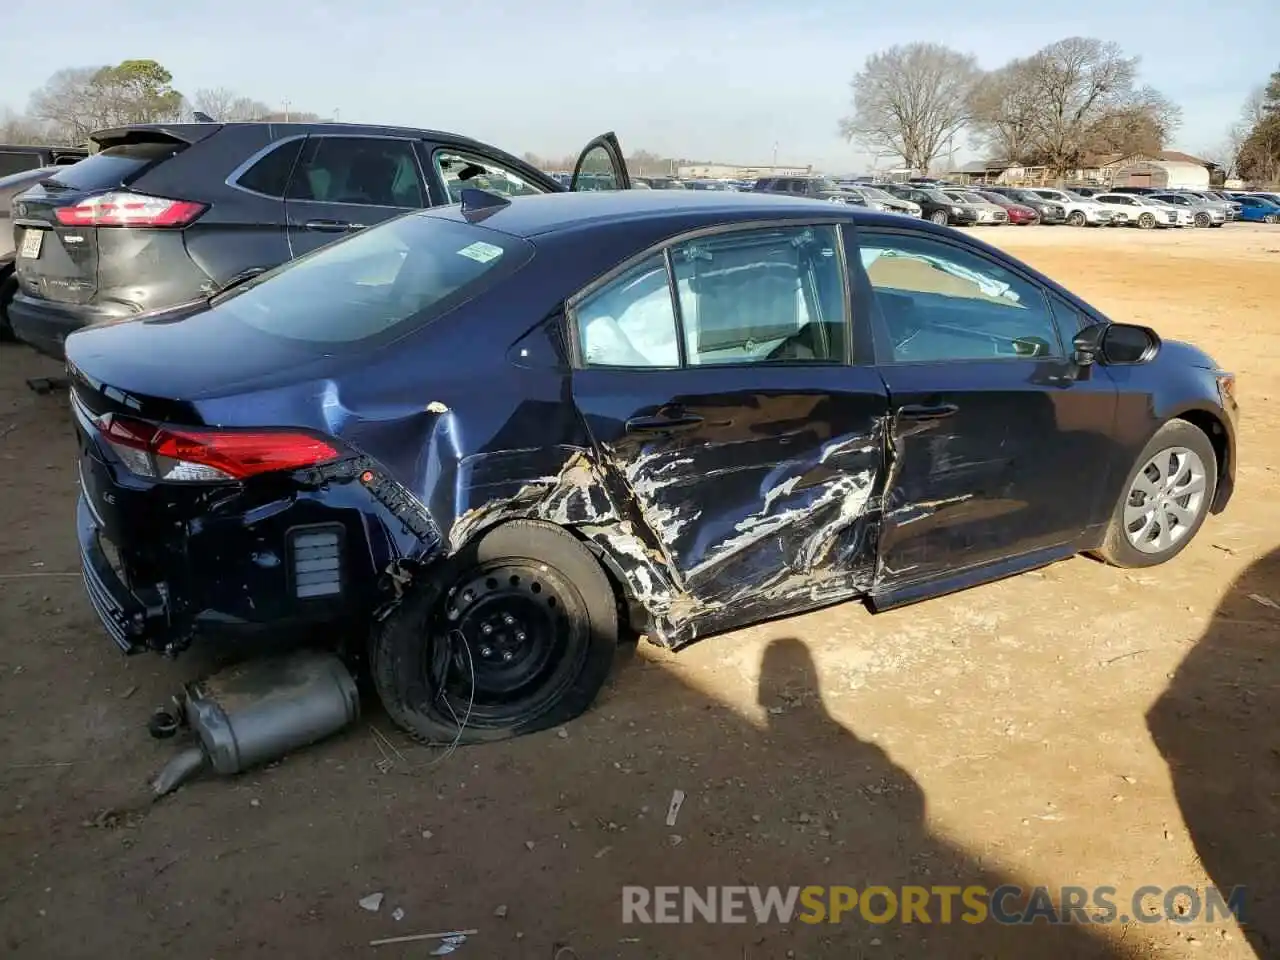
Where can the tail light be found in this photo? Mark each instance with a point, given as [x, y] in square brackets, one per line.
[204, 456]
[122, 209]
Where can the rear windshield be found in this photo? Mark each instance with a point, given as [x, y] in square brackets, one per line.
[115, 166]
[378, 284]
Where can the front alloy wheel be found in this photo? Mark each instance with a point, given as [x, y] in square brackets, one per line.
[1077, 218]
[1203, 219]
[1272, 218]
[1166, 498]
[939, 217]
[1147, 221]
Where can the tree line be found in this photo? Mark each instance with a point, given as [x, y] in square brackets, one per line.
[1077, 98]
[1254, 142]
[76, 101]
[1074, 98]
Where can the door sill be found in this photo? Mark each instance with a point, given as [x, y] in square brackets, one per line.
[886, 599]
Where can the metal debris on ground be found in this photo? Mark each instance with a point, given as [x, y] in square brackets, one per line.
[372, 903]
[448, 945]
[449, 935]
[397, 914]
[1265, 601]
[500, 911]
[673, 811]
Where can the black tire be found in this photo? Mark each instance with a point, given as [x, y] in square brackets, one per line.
[8, 287]
[1147, 221]
[1203, 220]
[1116, 548]
[940, 217]
[446, 691]
[1077, 218]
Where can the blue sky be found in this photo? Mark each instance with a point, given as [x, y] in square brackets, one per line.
[718, 80]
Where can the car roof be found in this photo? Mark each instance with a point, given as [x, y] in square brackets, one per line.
[566, 212]
[194, 132]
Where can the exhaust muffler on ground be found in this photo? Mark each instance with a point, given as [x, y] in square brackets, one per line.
[256, 712]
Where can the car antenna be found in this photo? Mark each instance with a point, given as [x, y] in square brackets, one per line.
[478, 204]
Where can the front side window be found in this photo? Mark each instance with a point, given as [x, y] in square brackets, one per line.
[765, 295]
[459, 171]
[941, 302]
[369, 171]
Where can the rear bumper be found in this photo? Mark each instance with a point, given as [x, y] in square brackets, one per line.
[129, 620]
[272, 564]
[46, 324]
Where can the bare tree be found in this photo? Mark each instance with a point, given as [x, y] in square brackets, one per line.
[1084, 100]
[1003, 109]
[68, 102]
[910, 100]
[227, 106]
[17, 129]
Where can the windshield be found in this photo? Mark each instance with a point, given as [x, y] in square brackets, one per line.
[937, 196]
[970, 197]
[409, 270]
[825, 185]
[875, 193]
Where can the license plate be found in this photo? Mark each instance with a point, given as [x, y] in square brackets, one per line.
[32, 241]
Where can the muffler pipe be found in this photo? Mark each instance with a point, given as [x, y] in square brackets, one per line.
[258, 711]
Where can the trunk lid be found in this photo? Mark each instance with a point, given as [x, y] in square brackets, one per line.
[162, 365]
[57, 261]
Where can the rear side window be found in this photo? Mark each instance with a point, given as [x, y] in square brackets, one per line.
[270, 175]
[378, 284]
[117, 165]
[363, 170]
[16, 161]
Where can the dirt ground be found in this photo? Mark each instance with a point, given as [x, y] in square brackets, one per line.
[1081, 725]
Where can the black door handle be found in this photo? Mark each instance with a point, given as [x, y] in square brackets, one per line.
[661, 424]
[926, 411]
[328, 226]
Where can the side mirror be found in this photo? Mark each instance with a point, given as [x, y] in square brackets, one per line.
[1115, 344]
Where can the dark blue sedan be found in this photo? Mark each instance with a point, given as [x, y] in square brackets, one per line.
[483, 442]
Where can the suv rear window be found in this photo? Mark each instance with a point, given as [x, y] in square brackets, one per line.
[116, 166]
[379, 284]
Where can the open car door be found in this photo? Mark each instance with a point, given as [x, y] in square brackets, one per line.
[601, 167]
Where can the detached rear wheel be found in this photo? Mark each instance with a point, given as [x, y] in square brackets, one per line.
[515, 634]
[1165, 500]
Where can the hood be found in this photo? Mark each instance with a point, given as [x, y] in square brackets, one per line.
[1187, 354]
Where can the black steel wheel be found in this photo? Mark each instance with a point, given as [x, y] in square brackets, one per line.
[515, 633]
